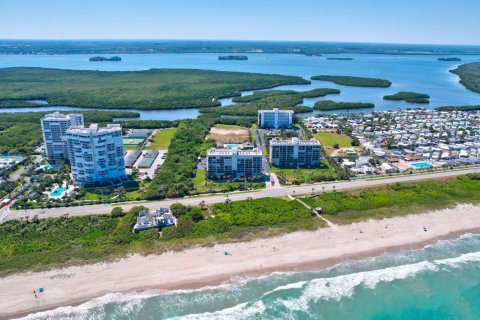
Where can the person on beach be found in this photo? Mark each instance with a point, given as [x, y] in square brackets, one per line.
[35, 293]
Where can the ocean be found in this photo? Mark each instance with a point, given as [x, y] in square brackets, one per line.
[440, 281]
[417, 73]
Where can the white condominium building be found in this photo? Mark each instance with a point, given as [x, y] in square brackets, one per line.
[96, 154]
[234, 163]
[54, 130]
[295, 153]
[275, 119]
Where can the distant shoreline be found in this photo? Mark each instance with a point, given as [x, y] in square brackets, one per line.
[314, 48]
[322, 248]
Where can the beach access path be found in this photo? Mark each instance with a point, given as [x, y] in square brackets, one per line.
[234, 196]
[199, 267]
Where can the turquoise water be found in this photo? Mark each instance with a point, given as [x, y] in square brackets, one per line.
[52, 166]
[58, 193]
[420, 165]
[418, 73]
[441, 281]
[232, 146]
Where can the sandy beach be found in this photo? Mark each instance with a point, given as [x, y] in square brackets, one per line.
[199, 267]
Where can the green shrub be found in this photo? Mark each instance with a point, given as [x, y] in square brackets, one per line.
[117, 212]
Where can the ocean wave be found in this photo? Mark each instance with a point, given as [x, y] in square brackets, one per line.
[344, 286]
[129, 302]
[241, 311]
[458, 261]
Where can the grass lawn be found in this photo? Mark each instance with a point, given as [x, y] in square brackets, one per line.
[162, 139]
[91, 196]
[221, 186]
[199, 181]
[228, 134]
[131, 192]
[296, 176]
[252, 132]
[20, 167]
[227, 126]
[130, 147]
[328, 139]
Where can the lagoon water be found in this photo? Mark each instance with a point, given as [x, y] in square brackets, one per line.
[418, 73]
[441, 281]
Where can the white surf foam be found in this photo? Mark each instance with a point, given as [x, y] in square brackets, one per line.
[344, 286]
[240, 311]
[84, 310]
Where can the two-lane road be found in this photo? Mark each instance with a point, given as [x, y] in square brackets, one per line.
[212, 199]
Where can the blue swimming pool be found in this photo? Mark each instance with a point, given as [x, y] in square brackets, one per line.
[232, 146]
[421, 165]
[52, 166]
[58, 193]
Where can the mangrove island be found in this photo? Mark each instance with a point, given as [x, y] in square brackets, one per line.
[469, 75]
[115, 58]
[341, 59]
[326, 105]
[153, 89]
[449, 59]
[411, 97]
[354, 81]
[232, 58]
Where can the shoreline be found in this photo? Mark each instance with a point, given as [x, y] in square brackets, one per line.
[199, 267]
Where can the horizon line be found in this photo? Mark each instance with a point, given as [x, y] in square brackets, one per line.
[240, 40]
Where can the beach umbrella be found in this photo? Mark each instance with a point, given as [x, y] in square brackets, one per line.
[40, 290]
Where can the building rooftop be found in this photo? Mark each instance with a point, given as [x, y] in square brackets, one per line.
[95, 129]
[276, 110]
[294, 141]
[231, 152]
[59, 116]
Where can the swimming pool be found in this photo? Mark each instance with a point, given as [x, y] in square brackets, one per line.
[232, 146]
[52, 166]
[421, 165]
[58, 193]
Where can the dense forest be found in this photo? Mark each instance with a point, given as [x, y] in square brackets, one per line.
[174, 179]
[469, 75]
[326, 105]
[411, 97]
[459, 108]
[152, 89]
[354, 81]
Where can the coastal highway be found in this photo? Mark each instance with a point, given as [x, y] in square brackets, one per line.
[212, 199]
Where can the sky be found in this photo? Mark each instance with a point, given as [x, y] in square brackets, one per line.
[382, 21]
